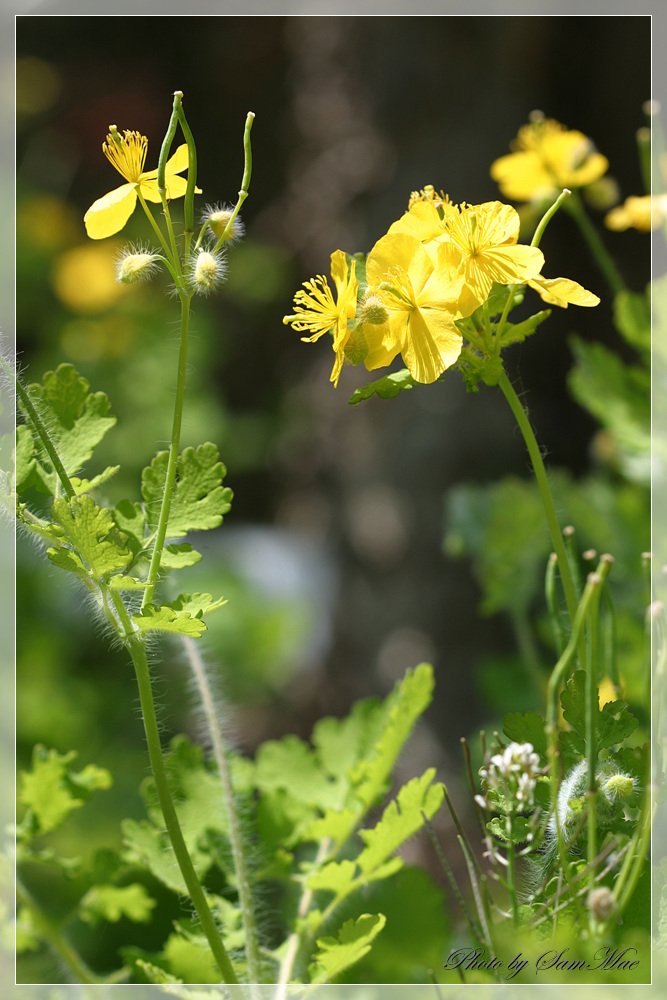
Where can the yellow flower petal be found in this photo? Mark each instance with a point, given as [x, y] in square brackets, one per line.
[563, 292]
[109, 214]
[174, 165]
[176, 188]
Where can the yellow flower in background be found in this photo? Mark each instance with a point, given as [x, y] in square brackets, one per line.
[420, 296]
[643, 213]
[84, 279]
[317, 312]
[127, 153]
[563, 292]
[548, 157]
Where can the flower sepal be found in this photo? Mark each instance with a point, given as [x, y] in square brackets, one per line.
[474, 368]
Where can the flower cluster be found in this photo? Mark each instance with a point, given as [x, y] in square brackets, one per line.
[434, 268]
[546, 158]
[510, 778]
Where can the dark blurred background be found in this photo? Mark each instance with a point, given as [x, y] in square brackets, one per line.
[332, 555]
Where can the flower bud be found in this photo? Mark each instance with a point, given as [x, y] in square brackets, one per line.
[372, 311]
[602, 903]
[618, 786]
[218, 219]
[207, 271]
[136, 266]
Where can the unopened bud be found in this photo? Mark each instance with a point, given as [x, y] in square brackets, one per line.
[134, 267]
[219, 218]
[372, 311]
[618, 786]
[602, 903]
[207, 272]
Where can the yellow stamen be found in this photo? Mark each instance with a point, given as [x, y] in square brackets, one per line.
[127, 153]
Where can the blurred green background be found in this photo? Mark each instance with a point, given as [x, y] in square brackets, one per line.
[332, 556]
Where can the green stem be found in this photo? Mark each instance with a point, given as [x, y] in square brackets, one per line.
[511, 866]
[156, 229]
[40, 428]
[235, 834]
[51, 933]
[548, 215]
[172, 463]
[295, 939]
[189, 204]
[138, 652]
[545, 493]
[599, 251]
[245, 181]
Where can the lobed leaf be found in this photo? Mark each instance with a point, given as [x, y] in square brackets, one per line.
[402, 818]
[93, 535]
[52, 790]
[199, 500]
[354, 940]
[165, 619]
[113, 902]
[75, 419]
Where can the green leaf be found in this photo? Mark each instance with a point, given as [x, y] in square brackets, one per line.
[400, 820]
[632, 319]
[386, 387]
[92, 533]
[130, 518]
[404, 706]
[613, 724]
[179, 556]
[51, 790]
[291, 764]
[528, 728]
[618, 396]
[199, 500]
[521, 829]
[354, 940]
[337, 876]
[75, 418]
[502, 527]
[196, 605]
[147, 845]
[514, 333]
[86, 485]
[112, 903]
[165, 619]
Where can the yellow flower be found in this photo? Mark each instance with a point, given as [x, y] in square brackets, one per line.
[547, 158]
[484, 240]
[127, 152]
[481, 240]
[420, 295]
[644, 214]
[318, 313]
[563, 292]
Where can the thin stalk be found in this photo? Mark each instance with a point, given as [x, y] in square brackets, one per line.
[161, 171]
[245, 181]
[597, 248]
[634, 860]
[172, 463]
[547, 500]
[235, 835]
[511, 870]
[591, 708]
[156, 229]
[189, 203]
[294, 940]
[553, 605]
[548, 215]
[40, 428]
[51, 932]
[138, 652]
[446, 867]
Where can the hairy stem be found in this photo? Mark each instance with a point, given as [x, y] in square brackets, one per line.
[209, 926]
[235, 834]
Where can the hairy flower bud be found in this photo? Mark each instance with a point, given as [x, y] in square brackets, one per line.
[207, 271]
[617, 786]
[218, 218]
[136, 265]
[373, 311]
